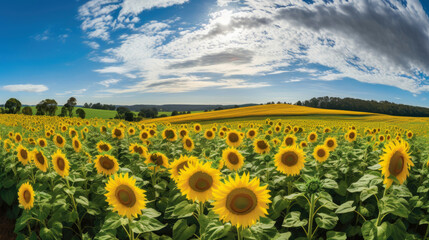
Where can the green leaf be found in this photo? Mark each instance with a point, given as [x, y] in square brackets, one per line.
[283, 236]
[326, 221]
[364, 182]
[146, 224]
[329, 184]
[293, 220]
[150, 212]
[368, 192]
[375, 167]
[294, 196]
[345, 208]
[216, 230]
[394, 205]
[264, 229]
[46, 234]
[398, 230]
[8, 195]
[369, 230]
[83, 201]
[21, 222]
[112, 221]
[278, 205]
[331, 235]
[181, 230]
[184, 209]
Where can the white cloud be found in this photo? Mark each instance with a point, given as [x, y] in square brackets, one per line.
[25, 88]
[350, 39]
[109, 82]
[92, 44]
[77, 92]
[42, 36]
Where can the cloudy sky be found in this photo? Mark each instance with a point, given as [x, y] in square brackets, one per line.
[214, 51]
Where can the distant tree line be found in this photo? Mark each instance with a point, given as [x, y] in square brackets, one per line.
[100, 106]
[47, 107]
[372, 106]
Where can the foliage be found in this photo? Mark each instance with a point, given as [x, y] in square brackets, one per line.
[12, 106]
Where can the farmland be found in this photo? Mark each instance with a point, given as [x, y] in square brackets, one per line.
[261, 172]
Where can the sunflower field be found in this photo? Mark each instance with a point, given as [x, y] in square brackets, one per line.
[68, 178]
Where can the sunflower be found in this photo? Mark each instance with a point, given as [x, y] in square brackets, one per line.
[312, 137]
[183, 132]
[351, 135]
[395, 161]
[8, 145]
[77, 145]
[48, 134]
[23, 154]
[26, 196]
[106, 164]
[209, 134]
[222, 134]
[261, 146]
[169, 134]
[103, 129]
[103, 146]
[131, 131]
[290, 160]
[188, 144]
[178, 165]
[18, 138]
[118, 133]
[138, 149]
[289, 140]
[61, 164]
[276, 141]
[409, 134]
[198, 180]
[144, 135]
[251, 133]
[303, 144]
[321, 153]
[158, 159]
[241, 201]
[234, 138]
[59, 141]
[152, 132]
[72, 133]
[381, 138]
[331, 143]
[40, 160]
[197, 128]
[124, 196]
[232, 158]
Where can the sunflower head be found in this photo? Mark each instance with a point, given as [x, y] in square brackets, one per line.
[106, 164]
[252, 133]
[303, 144]
[26, 196]
[138, 149]
[118, 133]
[178, 165]
[131, 131]
[209, 134]
[40, 160]
[241, 201]
[59, 141]
[233, 138]
[198, 180]
[290, 160]
[169, 134]
[23, 154]
[60, 163]
[77, 145]
[188, 144]
[261, 146]
[395, 161]
[232, 158]
[351, 135]
[331, 143]
[321, 153]
[158, 159]
[312, 137]
[124, 196]
[289, 140]
[410, 134]
[103, 146]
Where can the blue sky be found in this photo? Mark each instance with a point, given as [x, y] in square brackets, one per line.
[214, 51]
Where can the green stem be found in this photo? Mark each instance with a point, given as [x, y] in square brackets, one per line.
[78, 223]
[131, 230]
[427, 232]
[379, 218]
[239, 235]
[310, 220]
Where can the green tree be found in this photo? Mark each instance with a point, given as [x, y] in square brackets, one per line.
[71, 103]
[12, 105]
[81, 113]
[27, 111]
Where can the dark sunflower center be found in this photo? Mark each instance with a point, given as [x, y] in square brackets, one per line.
[61, 163]
[152, 132]
[252, 133]
[241, 201]
[60, 140]
[103, 129]
[209, 134]
[233, 137]
[410, 134]
[40, 158]
[73, 133]
[27, 196]
[144, 135]
[330, 143]
[183, 133]
[42, 143]
[289, 159]
[118, 133]
[352, 135]
[125, 195]
[321, 153]
[157, 159]
[262, 145]
[18, 138]
[169, 133]
[24, 153]
[76, 144]
[397, 163]
[138, 150]
[200, 181]
[233, 158]
[188, 143]
[312, 137]
[181, 166]
[104, 147]
[289, 141]
[106, 162]
[197, 128]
